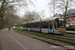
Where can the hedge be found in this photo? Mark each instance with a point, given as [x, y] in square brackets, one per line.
[70, 28]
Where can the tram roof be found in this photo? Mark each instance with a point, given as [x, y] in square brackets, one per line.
[51, 18]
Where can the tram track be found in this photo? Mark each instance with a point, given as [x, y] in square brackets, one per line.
[66, 40]
[63, 37]
[63, 40]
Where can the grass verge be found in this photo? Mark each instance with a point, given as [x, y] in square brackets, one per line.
[48, 37]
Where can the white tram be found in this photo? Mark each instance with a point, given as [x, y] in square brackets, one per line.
[51, 25]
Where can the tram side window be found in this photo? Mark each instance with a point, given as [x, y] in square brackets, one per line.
[21, 25]
[55, 25]
[28, 25]
[24, 25]
[51, 25]
[44, 24]
[31, 25]
[34, 25]
[37, 24]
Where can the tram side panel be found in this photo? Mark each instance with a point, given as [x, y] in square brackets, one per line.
[24, 27]
[44, 27]
[34, 26]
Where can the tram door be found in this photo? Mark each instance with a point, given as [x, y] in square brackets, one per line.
[51, 26]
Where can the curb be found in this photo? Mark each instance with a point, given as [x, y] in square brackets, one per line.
[64, 47]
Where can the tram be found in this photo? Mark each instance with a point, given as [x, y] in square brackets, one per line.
[15, 26]
[51, 25]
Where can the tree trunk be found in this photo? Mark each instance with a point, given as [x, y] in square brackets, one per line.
[65, 12]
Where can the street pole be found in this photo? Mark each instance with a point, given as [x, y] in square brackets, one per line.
[53, 8]
[40, 25]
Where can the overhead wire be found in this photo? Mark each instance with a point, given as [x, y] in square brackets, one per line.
[41, 8]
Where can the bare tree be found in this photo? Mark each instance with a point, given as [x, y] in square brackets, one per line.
[12, 19]
[29, 16]
[7, 6]
[64, 5]
[52, 6]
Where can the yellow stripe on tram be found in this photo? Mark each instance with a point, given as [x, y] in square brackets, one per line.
[61, 19]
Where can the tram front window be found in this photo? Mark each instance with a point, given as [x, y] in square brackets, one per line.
[61, 24]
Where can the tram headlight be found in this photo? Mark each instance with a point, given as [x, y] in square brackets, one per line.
[57, 28]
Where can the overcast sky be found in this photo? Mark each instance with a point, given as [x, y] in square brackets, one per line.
[40, 6]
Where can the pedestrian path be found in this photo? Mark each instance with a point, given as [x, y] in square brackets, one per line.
[70, 31]
[11, 40]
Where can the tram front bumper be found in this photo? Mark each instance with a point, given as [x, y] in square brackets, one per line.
[60, 32]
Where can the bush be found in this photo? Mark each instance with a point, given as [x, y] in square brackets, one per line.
[70, 28]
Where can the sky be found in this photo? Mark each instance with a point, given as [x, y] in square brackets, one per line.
[40, 6]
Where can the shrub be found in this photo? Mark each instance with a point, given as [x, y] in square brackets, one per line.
[70, 28]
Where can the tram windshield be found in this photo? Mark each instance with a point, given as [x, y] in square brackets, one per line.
[61, 24]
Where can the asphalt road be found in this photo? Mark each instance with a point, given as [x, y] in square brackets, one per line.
[11, 40]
